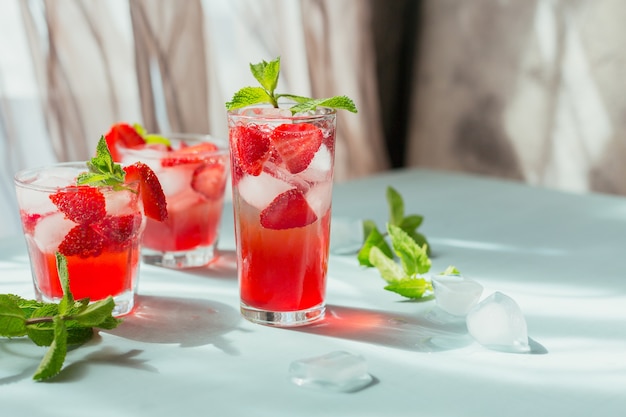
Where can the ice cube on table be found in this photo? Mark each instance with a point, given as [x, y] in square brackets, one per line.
[335, 371]
[261, 190]
[456, 294]
[319, 167]
[498, 323]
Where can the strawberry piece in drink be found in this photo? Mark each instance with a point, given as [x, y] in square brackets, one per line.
[189, 154]
[208, 180]
[296, 144]
[252, 147]
[80, 204]
[288, 210]
[122, 135]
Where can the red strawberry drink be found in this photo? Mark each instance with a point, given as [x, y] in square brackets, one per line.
[97, 228]
[282, 169]
[192, 170]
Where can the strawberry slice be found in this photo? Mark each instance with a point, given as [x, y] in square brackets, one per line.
[209, 180]
[289, 209]
[189, 154]
[82, 241]
[122, 135]
[252, 147]
[81, 204]
[296, 144]
[154, 203]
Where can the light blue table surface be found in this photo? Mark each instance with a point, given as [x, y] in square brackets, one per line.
[187, 352]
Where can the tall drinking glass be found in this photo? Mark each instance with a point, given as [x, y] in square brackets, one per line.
[282, 170]
[98, 229]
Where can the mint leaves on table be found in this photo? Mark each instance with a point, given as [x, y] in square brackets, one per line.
[407, 244]
[60, 326]
[267, 73]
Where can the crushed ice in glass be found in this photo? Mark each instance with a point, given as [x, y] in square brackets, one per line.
[498, 323]
[455, 294]
[335, 371]
[346, 235]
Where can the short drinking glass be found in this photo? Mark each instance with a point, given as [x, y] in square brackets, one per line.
[98, 229]
[192, 170]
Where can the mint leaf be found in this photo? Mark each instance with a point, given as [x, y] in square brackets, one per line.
[388, 268]
[413, 257]
[410, 223]
[396, 206]
[103, 171]
[12, 318]
[267, 73]
[338, 102]
[411, 287]
[373, 239]
[52, 361]
[95, 313]
[451, 270]
[248, 96]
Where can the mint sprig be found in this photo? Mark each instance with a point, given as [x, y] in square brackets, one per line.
[407, 277]
[59, 326]
[267, 74]
[103, 171]
[375, 238]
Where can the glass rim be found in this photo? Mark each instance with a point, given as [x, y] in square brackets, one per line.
[21, 177]
[321, 113]
[222, 145]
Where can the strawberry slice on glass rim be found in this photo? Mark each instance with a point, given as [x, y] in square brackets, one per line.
[122, 135]
[150, 190]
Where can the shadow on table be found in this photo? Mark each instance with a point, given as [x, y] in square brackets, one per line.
[183, 321]
[433, 332]
[223, 266]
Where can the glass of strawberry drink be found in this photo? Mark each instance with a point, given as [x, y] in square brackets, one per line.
[97, 227]
[282, 169]
[192, 169]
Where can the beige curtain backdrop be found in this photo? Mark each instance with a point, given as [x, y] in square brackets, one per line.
[528, 90]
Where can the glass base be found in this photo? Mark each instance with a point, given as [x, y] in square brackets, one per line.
[124, 302]
[200, 256]
[283, 318]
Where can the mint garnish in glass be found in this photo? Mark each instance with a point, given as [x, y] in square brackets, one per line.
[267, 73]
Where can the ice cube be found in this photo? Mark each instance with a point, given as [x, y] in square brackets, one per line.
[455, 294]
[261, 190]
[346, 235]
[319, 198]
[335, 371]
[51, 230]
[120, 202]
[320, 166]
[175, 179]
[498, 323]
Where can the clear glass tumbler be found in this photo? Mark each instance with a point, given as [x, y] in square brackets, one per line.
[192, 170]
[282, 170]
[98, 229]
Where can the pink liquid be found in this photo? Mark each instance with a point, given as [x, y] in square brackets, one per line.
[282, 270]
